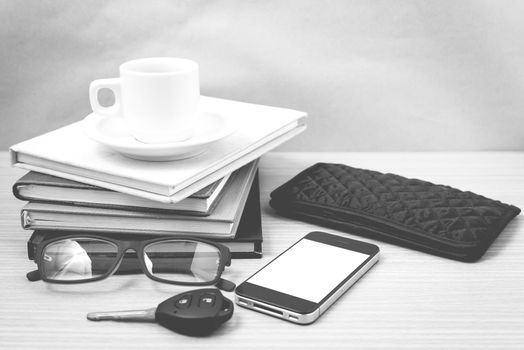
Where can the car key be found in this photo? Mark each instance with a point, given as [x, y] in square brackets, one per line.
[197, 312]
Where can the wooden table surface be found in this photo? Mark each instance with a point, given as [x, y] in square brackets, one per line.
[409, 300]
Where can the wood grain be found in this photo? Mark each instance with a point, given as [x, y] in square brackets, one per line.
[409, 300]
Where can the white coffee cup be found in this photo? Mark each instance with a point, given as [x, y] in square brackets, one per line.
[157, 97]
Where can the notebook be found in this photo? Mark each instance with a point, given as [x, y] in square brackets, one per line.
[38, 187]
[69, 153]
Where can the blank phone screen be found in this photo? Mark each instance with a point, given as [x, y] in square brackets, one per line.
[309, 270]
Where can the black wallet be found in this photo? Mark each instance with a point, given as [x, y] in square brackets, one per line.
[417, 214]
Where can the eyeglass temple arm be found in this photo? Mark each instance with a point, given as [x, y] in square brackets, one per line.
[225, 285]
[33, 276]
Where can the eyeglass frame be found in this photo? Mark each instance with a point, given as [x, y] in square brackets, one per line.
[123, 245]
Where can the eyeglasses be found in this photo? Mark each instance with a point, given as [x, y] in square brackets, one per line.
[89, 258]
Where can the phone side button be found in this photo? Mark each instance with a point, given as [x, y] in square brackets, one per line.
[242, 302]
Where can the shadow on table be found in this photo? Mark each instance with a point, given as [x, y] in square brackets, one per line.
[506, 240]
[101, 287]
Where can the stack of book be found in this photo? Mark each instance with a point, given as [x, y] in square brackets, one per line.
[227, 211]
[75, 184]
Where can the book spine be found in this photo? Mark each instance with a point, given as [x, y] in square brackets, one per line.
[39, 236]
[16, 193]
[26, 219]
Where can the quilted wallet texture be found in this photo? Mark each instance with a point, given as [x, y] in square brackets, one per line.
[436, 219]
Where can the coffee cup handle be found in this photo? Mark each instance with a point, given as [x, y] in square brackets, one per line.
[111, 84]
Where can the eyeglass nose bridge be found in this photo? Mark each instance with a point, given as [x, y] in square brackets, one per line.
[142, 263]
[146, 265]
[129, 245]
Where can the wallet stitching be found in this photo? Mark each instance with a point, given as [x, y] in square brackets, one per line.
[497, 204]
[411, 230]
[499, 220]
[361, 213]
[420, 245]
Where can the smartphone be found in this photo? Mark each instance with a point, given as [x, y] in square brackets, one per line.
[301, 283]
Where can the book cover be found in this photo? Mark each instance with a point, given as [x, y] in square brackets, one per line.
[69, 153]
[223, 222]
[40, 187]
[247, 243]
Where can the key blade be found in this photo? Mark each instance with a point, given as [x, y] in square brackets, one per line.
[147, 315]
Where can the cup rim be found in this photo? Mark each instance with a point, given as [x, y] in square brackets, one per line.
[186, 66]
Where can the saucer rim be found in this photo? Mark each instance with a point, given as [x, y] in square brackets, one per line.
[92, 120]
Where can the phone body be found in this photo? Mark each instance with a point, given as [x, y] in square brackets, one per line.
[301, 283]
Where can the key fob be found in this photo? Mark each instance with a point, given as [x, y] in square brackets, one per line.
[197, 312]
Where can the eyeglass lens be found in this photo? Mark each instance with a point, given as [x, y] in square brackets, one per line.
[182, 261]
[78, 259]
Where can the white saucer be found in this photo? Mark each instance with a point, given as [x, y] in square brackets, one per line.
[114, 133]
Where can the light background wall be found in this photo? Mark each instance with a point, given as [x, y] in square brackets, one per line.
[373, 75]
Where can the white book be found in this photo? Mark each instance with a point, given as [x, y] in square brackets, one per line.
[222, 223]
[69, 153]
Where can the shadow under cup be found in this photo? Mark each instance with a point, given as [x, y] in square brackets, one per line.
[86, 259]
